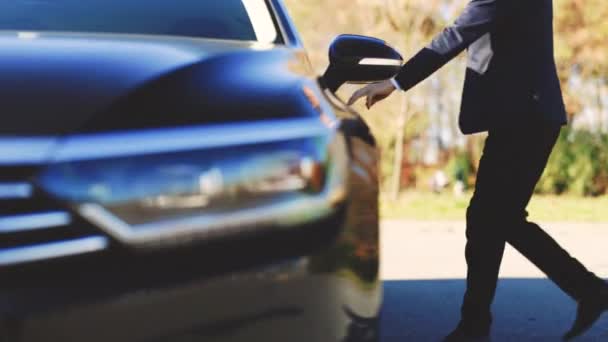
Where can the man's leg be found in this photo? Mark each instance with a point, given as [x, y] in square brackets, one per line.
[569, 274]
[544, 252]
[485, 248]
[533, 148]
[512, 163]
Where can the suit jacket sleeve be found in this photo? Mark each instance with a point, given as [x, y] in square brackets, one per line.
[476, 20]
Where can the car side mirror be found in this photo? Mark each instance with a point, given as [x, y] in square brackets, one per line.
[360, 59]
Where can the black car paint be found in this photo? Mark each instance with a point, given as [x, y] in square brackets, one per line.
[317, 283]
[113, 82]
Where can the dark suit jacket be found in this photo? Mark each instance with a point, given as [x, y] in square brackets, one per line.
[511, 75]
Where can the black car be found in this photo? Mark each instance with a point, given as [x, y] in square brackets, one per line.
[174, 171]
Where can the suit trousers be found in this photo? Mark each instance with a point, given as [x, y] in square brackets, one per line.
[513, 161]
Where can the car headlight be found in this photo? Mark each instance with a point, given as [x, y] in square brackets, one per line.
[167, 197]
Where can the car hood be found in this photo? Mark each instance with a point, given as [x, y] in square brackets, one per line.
[59, 83]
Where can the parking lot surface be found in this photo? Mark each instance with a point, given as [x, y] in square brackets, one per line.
[424, 270]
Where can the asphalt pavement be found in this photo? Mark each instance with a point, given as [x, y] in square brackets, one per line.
[424, 271]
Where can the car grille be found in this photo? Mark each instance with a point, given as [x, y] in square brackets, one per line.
[34, 227]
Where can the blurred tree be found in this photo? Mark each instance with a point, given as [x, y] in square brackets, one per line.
[408, 25]
[582, 36]
[429, 111]
[581, 47]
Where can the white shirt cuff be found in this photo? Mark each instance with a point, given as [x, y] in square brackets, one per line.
[396, 84]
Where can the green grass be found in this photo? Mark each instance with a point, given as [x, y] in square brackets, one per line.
[417, 205]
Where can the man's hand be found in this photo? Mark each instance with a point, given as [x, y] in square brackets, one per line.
[373, 92]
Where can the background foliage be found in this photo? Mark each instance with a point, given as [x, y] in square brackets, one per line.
[423, 122]
[578, 165]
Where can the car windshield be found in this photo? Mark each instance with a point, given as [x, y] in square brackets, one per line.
[248, 20]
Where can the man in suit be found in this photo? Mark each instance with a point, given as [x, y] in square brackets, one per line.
[512, 91]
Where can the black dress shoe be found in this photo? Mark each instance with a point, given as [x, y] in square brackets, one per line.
[588, 312]
[468, 333]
